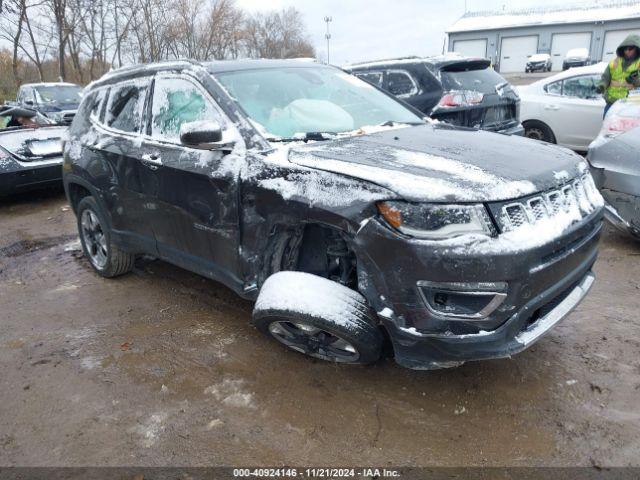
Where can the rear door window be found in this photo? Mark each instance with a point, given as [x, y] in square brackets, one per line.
[374, 78]
[126, 106]
[483, 80]
[177, 101]
[581, 87]
[401, 84]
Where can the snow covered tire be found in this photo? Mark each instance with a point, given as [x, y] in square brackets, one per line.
[318, 317]
[105, 258]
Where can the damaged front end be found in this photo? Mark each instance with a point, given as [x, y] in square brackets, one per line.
[481, 296]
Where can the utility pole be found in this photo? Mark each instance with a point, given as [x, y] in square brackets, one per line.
[327, 35]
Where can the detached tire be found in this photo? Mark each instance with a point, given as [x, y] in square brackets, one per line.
[318, 317]
[95, 236]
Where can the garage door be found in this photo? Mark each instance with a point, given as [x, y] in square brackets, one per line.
[471, 48]
[561, 43]
[612, 39]
[514, 52]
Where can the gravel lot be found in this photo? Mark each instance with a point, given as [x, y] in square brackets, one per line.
[161, 367]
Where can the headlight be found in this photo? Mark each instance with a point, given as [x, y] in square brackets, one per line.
[436, 222]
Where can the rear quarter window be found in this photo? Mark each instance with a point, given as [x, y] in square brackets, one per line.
[374, 78]
[401, 84]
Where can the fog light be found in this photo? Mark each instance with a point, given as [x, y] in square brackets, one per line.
[462, 300]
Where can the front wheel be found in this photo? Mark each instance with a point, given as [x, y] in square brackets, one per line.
[95, 236]
[318, 317]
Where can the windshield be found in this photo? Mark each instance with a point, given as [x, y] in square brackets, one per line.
[483, 81]
[289, 102]
[59, 94]
[540, 57]
[578, 53]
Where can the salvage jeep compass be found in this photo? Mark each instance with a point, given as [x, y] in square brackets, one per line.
[350, 219]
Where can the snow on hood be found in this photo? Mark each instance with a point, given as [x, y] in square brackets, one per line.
[34, 142]
[442, 164]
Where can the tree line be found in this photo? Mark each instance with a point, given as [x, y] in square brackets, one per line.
[79, 40]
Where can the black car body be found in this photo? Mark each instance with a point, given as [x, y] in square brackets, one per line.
[461, 91]
[58, 101]
[539, 63]
[30, 157]
[468, 245]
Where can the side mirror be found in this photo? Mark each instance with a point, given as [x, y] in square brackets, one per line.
[206, 135]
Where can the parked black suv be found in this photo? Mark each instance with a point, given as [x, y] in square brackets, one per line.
[58, 101]
[266, 176]
[461, 91]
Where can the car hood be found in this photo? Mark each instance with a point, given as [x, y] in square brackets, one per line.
[443, 164]
[33, 143]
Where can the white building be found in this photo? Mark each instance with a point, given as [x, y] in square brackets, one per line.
[509, 38]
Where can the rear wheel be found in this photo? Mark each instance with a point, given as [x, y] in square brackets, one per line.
[538, 131]
[95, 236]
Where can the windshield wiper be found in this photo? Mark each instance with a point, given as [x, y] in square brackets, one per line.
[307, 137]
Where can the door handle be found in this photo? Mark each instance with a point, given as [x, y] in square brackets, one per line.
[151, 160]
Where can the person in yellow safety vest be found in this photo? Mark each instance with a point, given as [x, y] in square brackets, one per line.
[623, 72]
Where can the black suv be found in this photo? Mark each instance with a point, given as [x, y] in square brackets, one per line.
[336, 207]
[461, 91]
[57, 101]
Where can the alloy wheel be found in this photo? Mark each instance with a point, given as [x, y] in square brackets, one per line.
[313, 341]
[94, 239]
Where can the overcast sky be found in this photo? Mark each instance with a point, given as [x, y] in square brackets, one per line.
[374, 29]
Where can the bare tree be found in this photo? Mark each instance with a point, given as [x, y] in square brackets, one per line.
[277, 35]
[81, 39]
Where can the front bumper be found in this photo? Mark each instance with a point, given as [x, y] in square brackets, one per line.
[538, 66]
[544, 284]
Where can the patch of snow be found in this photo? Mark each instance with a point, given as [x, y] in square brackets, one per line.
[72, 246]
[584, 12]
[89, 363]
[321, 188]
[216, 422]
[231, 393]
[65, 287]
[308, 294]
[150, 430]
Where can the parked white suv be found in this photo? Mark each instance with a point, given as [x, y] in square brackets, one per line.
[565, 108]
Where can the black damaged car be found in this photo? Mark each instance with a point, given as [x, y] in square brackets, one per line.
[350, 220]
[462, 91]
[30, 151]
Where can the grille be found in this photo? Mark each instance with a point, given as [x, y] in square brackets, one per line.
[578, 198]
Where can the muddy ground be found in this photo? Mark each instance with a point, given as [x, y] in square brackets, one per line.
[161, 367]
